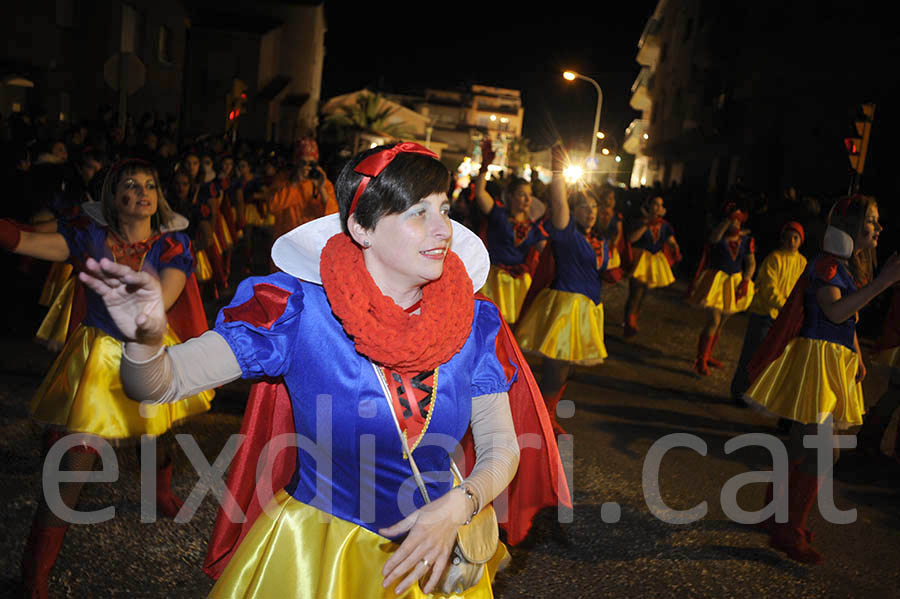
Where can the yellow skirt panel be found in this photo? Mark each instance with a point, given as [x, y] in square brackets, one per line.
[59, 273]
[202, 269]
[615, 260]
[56, 323]
[651, 269]
[83, 392]
[810, 380]
[253, 218]
[295, 551]
[715, 289]
[227, 241]
[507, 291]
[563, 326]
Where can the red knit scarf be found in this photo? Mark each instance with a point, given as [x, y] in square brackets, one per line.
[382, 330]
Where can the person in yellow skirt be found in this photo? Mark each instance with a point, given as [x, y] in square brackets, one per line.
[82, 392]
[724, 282]
[809, 368]
[513, 239]
[654, 250]
[564, 323]
[383, 291]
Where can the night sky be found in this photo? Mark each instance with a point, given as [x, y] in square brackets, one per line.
[410, 46]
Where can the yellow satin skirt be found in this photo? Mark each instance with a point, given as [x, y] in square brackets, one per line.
[295, 551]
[59, 273]
[83, 392]
[55, 325]
[507, 291]
[563, 326]
[651, 269]
[202, 267]
[254, 219]
[226, 242]
[811, 379]
[715, 289]
[615, 259]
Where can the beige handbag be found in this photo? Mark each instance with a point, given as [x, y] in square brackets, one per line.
[476, 541]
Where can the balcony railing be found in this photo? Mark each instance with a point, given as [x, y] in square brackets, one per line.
[648, 46]
[634, 136]
[640, 91]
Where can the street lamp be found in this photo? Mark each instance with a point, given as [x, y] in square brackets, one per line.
[572, 76]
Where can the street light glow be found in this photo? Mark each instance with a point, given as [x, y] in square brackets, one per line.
[573, 173]
[646, 136]
[601, 135]
[569, 75]
[605, 151]
[618, 159]
[493, 117]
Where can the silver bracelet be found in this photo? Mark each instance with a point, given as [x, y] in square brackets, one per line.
[464, 487]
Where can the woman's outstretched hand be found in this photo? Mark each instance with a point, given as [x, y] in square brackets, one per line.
[134, 299]
[432, 534]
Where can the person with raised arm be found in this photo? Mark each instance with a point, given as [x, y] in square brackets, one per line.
[564, 323]
[514, 240]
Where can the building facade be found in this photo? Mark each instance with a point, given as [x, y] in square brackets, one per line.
[754, 95]
[60, 57]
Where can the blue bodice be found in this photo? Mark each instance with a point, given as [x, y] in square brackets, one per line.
[350, 462]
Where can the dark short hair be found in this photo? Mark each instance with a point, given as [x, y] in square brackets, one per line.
[514, 185]
[124, 169]
[404, 182]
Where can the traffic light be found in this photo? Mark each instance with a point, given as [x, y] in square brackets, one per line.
[235, 103]
[857, 142]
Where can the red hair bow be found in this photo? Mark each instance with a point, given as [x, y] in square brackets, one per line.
[374, 164]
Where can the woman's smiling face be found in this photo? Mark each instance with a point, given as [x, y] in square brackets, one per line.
[408, 249]
[137, 196]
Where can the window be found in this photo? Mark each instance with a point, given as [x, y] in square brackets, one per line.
[166, 46]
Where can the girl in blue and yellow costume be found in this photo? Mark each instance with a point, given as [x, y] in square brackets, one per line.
[564, 323]
[386, 297]
[809, 367]
[723, 284]
[82, 392]
[514, 240]
[609, 225]
[654, 251]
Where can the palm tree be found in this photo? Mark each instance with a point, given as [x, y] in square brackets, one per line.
[369, 113]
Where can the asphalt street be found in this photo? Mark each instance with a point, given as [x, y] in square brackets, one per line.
[644, 392]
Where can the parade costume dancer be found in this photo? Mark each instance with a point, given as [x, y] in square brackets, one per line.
[723, 284]
[514, 240]
[386, 295]
[809, 367]
[609, 226]
[775, 280]
[82, 392]
[564, 324]
[654, 251]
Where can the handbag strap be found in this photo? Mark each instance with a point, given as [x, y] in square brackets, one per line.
[412, 462]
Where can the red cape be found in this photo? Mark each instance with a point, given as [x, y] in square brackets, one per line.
[539, 481]
[785, 328]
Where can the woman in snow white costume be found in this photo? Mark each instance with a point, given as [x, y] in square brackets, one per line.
[82, 392]
[513, 239]
[809, 367]
[723, 284]
[564, 323]
[377, 331]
